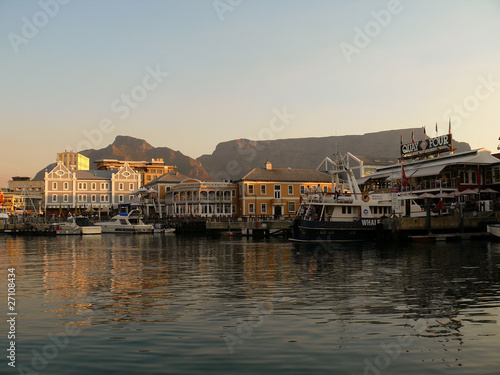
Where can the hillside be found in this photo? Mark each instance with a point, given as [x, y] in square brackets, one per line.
[129, 148]
[233, 159]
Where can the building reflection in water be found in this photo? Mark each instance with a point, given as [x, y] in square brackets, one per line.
[101, 279]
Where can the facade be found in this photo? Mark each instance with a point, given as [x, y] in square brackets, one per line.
[148, 170]
[475, 169]
[73, 161]
[196, 198]
[94, 189]
[277, 191]
[161, 187]
[24, 194]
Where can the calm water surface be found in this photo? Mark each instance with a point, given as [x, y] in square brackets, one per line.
[168, 305]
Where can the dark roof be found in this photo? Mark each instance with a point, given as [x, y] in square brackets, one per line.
[286, 175]
[94, 175]
[168, 177]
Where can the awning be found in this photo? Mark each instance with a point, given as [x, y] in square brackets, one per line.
[362, 180]
[428, 171]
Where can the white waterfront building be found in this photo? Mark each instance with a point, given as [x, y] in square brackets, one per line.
[104, 189]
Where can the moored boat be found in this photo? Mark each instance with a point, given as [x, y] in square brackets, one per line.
[76, 226]
[347, 214]
[494, 230]
[126, 223]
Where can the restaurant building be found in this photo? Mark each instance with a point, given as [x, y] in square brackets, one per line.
[277, 191]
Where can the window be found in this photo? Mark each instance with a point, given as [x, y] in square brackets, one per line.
[325, 188]
[250, 189]
[130, 197]
[120, 198]
[82, 186]
[263, 189]
[148, 177]
[120, 186]
[290, 189]
[54, 186]
[104, 186]
[65, 198]
[263, 208]
[168, 188]
[302, 189]
[104, 198]
[291, 206]
[93, 198]
[131, 186]
[82, 198]
[251, 208]
[277, 191]
[346, 210]
[54, 197]
[66, 186]
[93, 186]
[233, 208]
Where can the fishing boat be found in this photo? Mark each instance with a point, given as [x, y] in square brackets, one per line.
[124, 222]
[494, 230]
[76, 225]
[347, 214]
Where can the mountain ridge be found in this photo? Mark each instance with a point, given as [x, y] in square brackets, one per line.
[130, 148]
[232, 159]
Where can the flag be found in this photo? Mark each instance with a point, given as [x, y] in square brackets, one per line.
[449, 127]
[436, 128]
[412, 137]
[404, 180]
[425, 133]
[401, 140]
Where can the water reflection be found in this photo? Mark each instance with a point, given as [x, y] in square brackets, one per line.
[340, 297]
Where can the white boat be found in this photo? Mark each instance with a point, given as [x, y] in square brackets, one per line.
[4, 214]
[347, 214]
[494, 230]
[126, 223]
[76, 225]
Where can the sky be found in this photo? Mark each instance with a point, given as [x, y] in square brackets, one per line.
[189, 74]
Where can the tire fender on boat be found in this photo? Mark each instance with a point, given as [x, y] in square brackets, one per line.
[365, 197]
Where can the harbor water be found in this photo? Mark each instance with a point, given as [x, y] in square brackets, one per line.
[165, 304]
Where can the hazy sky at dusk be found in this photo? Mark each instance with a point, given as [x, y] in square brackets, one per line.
[223, 71]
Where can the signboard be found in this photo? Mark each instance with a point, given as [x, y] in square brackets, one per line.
[441, 143]
[394, 198]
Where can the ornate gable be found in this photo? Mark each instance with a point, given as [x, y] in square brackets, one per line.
[126, 173]
[59, 172]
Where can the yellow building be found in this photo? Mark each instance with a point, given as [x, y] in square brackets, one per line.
[73, 161]
[277, 191]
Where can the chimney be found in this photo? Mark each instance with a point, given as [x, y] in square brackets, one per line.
[269, 166]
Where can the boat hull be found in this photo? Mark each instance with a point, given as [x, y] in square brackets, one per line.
[494, 230]
[334, 231]
[91, 230]
[127, 229]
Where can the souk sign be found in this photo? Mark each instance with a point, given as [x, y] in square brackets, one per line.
[442, 142]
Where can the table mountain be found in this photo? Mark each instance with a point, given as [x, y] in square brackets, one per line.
[233, 159]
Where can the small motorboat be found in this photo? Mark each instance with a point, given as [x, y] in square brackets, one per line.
[130, 222]
[76, 225]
